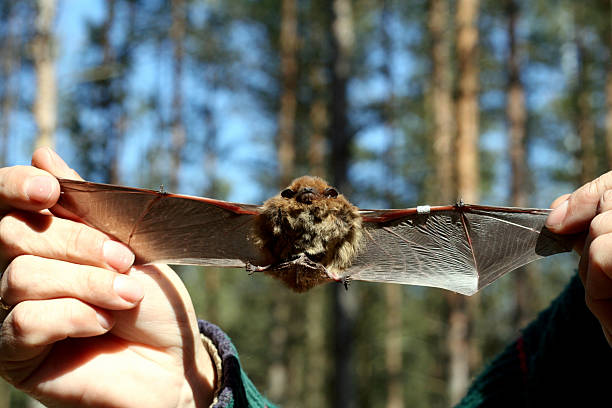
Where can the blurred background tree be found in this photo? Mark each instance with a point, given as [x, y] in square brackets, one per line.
[395, 102]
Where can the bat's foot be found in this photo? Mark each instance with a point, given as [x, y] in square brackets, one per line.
[300, 273]
[251, 269]
[346, 281]
[302, 261]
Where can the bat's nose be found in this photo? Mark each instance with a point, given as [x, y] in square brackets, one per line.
[306, 195]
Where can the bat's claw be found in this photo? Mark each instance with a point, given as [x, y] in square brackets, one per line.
[251, 269]
[346, 281]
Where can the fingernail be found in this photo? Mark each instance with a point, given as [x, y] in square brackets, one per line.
[105, 320]
[557, 215]
[118, 255]
[128, 288]
[39, 188]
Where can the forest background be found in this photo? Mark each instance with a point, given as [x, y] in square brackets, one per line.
[396, 102]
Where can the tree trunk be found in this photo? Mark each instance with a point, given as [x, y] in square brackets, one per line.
[441, 102]
[516, 114]
[288, 102]
[467, 184]
[43, 51]
[316, 351]
[319, 123]
[177, 34]
[10, 62]
[393, 293]
[280, 365]
[584, 115]
[341, 137]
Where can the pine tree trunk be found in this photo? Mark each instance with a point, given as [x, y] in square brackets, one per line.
[393, 293]
[316, 351]
[288, 102]
[584, 115]
[177, 34]
[282, 363]
[517, 121]
[441, 103]
[318, 122]
[467, 185]
[10, 62]
[43, 51]
[341, 137]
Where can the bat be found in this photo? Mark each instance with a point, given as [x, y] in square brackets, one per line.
[309, 234]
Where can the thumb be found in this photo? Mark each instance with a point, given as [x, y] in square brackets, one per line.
[575, 213]
[46, 159]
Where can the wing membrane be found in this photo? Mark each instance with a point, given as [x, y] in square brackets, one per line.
[168, 228]
[462, 248]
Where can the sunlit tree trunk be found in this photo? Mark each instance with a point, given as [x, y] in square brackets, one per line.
[584, 117]
[319, 122]
[43, 51]
[467, 183]
[393, 293]
[9, 63]
[441, 102]
[341, 137]
[316, 351]
[516, 114]
[279, 369]
[177, 34]
[288, 102]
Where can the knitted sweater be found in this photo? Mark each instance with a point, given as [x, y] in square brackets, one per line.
[560, 359]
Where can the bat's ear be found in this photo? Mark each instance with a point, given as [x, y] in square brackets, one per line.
[287, 193]
[330, 192]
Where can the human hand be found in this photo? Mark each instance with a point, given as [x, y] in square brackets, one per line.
[590, 207]
[82, 330]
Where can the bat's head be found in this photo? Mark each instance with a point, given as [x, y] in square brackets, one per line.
[309, 190]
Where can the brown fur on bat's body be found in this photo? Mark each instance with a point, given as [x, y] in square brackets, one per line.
[309, 232]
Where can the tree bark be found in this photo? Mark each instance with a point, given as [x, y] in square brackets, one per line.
[341, 137]
[516, 115]
[10, 61]
[43, 51]
[288, 101]
[281, 362]
[317, 360]
[177, 34]
[467, 184]
[393, 293]
[441, 102]
[584, 115]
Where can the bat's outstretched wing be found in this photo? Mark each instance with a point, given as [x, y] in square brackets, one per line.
[461, 248]
[169, 228]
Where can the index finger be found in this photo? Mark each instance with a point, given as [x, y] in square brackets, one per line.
[27, 188]
[576, 212]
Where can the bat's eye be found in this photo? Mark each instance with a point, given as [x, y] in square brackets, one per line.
[330, 192]
[287, 193]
